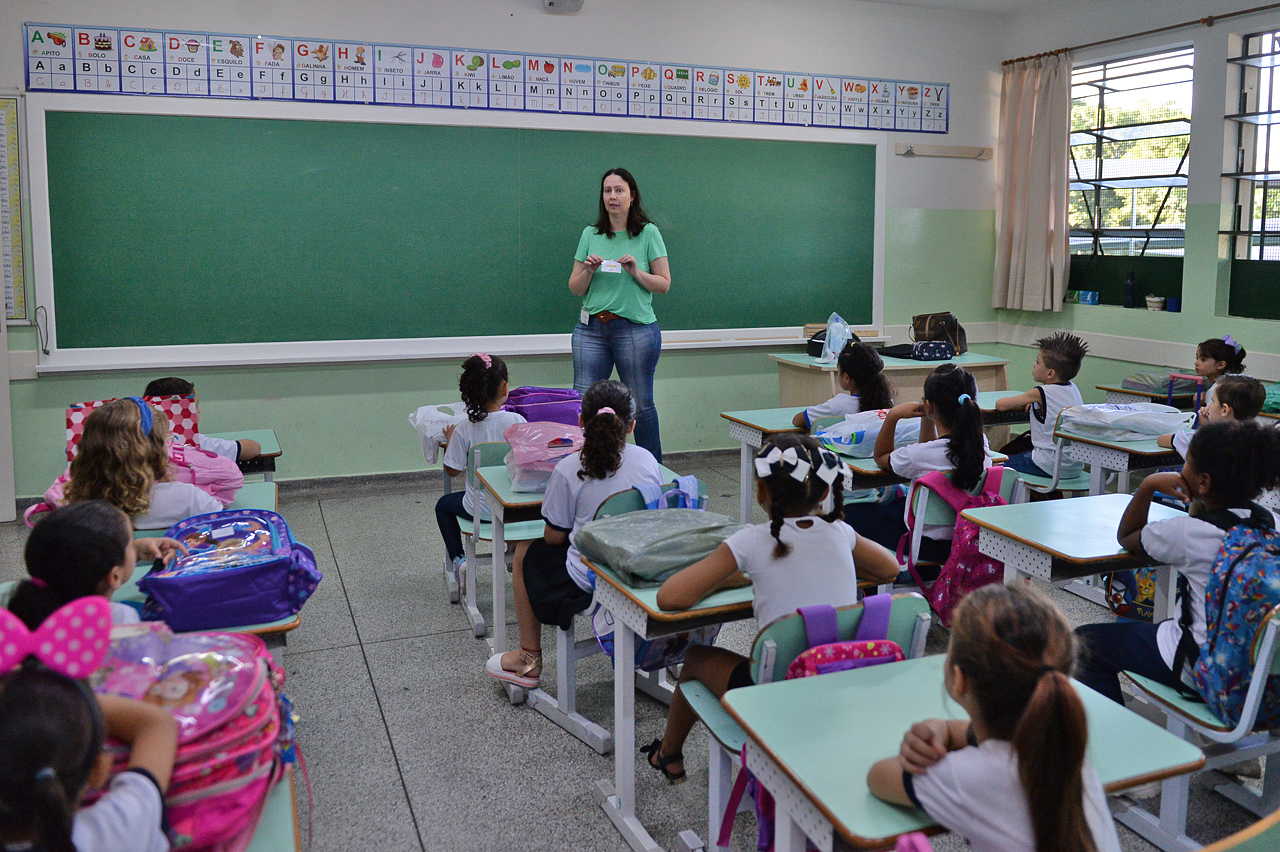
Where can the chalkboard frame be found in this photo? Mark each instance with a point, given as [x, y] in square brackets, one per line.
[141, 356]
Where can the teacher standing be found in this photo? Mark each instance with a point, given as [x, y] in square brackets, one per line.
[620, 263]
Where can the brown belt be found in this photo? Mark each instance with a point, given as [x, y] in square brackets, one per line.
[606, 316]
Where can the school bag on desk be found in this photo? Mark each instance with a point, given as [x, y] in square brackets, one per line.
[181, 411]
[553, 405]
[536, 448]
[242, 567]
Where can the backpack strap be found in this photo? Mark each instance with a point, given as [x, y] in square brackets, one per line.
[735, 799]
[651, 494]
[820, 624]
[874, 625]
[940, 483]
[1187, 652]
[991, 483]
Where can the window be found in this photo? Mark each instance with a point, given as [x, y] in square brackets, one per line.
[1130, 129]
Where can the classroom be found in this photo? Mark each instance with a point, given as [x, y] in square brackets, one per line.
[409, 746]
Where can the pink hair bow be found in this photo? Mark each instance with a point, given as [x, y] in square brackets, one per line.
[488, 362]
[73, 641]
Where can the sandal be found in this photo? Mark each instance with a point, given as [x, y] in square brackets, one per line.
[528, 669]
[654, 749]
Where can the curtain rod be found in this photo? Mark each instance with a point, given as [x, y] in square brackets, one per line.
[1207, 21]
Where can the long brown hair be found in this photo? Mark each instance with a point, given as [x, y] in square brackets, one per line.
[604, 433]
[117, 461]
[636, 217]
[1016, 650]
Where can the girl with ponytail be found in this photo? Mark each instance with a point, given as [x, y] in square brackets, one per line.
[1014, 777]
[802, 557]
[550, 583]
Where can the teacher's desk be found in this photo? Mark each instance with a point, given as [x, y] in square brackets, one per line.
[803, 381]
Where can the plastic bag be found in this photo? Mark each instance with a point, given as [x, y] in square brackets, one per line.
[645, 548]
[541, 446]
[838, 334]
[1157, 381]
[856, 435]
[430, 421]
[1135, 421]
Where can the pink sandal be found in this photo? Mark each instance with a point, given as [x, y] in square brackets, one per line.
[528, 669]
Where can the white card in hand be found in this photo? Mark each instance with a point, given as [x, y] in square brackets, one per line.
[610, 266]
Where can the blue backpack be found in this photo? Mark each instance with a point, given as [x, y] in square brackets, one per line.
[1243, 587]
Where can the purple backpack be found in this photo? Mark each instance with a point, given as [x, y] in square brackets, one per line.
[242, 567]
[553, 405]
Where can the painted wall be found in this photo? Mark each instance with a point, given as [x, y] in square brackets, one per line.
[347, 420]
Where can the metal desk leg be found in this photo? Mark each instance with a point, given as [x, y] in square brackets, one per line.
[563, 709]
[619, 798]
[744, 482]
[1166, 593]
[467, 585]
[499, 576]
[787, 836]
[1096, 477]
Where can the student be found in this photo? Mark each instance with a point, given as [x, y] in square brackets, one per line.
[244, 448]
[123, 459]
[1014, 777]
[860, 371]
[1056, 365]
[83, 549]
[1234, 398]
[484, 390]
[800, 558]
[951, 439]
[1217, 357]
[1228, 464]
[549, 581]
[52, 731]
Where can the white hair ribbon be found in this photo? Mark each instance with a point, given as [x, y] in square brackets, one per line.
[800, 467]
[765, 463]
[831, 467]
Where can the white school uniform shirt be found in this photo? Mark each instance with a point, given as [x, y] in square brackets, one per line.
[1182, 440]
[975, 792]
[125, 819]
[1190, 545]
[466, 436]
[1044, 415]
[222, 446]
[915, 460]
[571, 501]
[838, 406]
[818, 570]
[175, 501]
[124, 614]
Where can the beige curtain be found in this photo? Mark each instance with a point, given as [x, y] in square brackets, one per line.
[1031, 203]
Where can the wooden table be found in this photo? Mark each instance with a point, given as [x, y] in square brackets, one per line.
[817, 773]
[1063, 540]
[265, 462]
[803, 382]
[636, 616]
[1104, 455]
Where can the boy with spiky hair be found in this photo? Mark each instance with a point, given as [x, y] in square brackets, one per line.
[1056, 365]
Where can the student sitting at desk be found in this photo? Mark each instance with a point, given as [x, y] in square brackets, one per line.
[244, 448]
[1057, 364]
[1234, 398]
[1014, 777]
[860, 371]
[800, 558]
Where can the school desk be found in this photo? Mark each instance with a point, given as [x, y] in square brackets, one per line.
[265, 462]
[1123, 396]
[802, 381]
[1060, 540]
[1104, 455]
[277, 829]
[636, 616]
[860, 716]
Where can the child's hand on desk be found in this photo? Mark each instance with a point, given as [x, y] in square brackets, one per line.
[924, 745]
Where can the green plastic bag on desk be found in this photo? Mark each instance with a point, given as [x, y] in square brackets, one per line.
[645, 548]
[1271, 404]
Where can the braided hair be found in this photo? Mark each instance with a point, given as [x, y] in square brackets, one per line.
[604, 432]
[795, 498]
[481, 382]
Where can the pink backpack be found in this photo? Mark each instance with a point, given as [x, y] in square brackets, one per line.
[235, 732]
[967, 568]
[181, 411]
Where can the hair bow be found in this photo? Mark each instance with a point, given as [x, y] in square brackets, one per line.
[768, 463]
[73, 641]
[1231, 341]
[488, 362]
[148, 416]
[832, 467]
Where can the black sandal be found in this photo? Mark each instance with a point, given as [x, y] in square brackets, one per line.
[654, 749]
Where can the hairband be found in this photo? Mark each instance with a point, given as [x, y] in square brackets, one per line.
[964, 397]
[72, 642]
[488, 362]
[148, 416]
[1044, 670]
[606, 410]
[1231, 341]
[38, 583]
[771, 462]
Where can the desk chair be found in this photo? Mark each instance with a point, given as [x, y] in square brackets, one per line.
[773, 650]
[1229, 746]
[930, 509]
[1262, 836]
[1027, 482]
[464, 585]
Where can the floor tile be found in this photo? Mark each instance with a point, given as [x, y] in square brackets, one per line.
[326, 619]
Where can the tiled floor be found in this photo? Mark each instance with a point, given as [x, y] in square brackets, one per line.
[410, 746]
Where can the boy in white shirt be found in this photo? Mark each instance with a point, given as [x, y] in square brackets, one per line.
[245, 448]
[1056, 365]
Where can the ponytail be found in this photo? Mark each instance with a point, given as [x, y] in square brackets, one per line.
[1050, 742]
[608, 409]
[864, 366]
[954, 394]
[481, 382]
[1224, 349]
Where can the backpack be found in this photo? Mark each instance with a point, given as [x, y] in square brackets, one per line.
[684, 496]
[242, 567]
[967, 568]
[181, 411]
[555, 405]
[826, 653]
[1244, 585]
[645, 548]
[235, 729]
[1132, 593]
[216, 475]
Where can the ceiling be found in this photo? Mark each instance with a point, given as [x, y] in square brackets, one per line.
[1002, 7]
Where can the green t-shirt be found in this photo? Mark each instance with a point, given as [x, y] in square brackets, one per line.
[618, 291]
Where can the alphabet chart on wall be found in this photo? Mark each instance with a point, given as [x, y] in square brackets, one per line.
[219, 65]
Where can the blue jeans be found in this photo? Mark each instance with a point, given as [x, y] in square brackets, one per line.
[632, 347]
[1125, 646]
[1023, 464]
[448, 510]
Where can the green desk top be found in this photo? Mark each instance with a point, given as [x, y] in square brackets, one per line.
[1145, 447]
[1082, 529]
[1155, 395]
[732, 600]
[767, 420]
[497, 482]
[864, 714]
[277, 829]
[265, 437]
[968, 359]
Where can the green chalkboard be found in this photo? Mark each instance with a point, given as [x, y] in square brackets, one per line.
[180, 230]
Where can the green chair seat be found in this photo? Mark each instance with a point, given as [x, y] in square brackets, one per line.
[519, 531]
[719, 723]
[1079, 482]
[1170, 697]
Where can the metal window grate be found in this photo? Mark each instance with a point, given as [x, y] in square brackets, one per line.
[1255, 229]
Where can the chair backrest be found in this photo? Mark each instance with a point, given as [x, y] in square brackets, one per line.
[485, 455]
[1262, 836]
[932, 510]
[1266, 641]
[781, 641]
[824, 422]
[631, 501]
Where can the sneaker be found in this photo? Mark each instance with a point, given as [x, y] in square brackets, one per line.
[1143, 791]
[527, 673]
